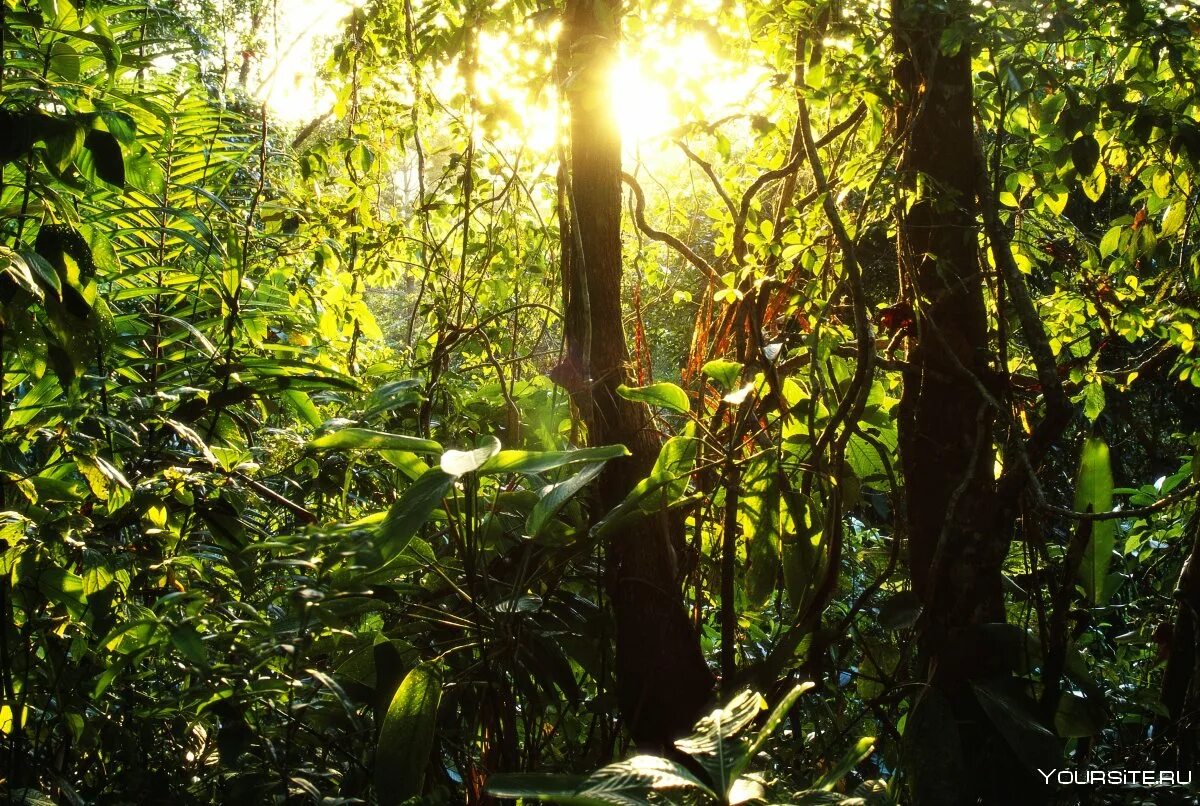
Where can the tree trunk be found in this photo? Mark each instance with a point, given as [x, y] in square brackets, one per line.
[957, 528]
[663, 681]
[1181, 680]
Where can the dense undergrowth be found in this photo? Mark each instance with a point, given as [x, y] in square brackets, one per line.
[295, 503]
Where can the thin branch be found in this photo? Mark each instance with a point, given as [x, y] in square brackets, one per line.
[639, 216]
[1058, 407]
[711, 173]
[1118, 514]
[739, 222]
[270, 495]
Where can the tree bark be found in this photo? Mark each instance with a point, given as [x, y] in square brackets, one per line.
[663, 681]
[958, 528]
[1181, 680]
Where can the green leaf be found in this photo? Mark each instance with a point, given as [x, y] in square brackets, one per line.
[554, 496]
[101, 476]
[1161, 183]
[63, 147]
[459, 463]
[1111, 241]
[718, 743]
[667, 482]
[665, 395]
[188, 642]
[725, 373]
[406, 738]
[411, 512]
[122, 126]
[302, 404]
[1094, 492]
[145, 174]
[1055, 200]
[1085, 153]
[1173, 219]
[393, 395]
[64, 61]
[862, 748]
[1094, 184]
[45, 274]
[348, 439]
[542, 461]
[800, 549]
[639, 780]
[15, 269]
[1093, 400]
[63, 587]
[758, 512]
[105, 152]
[1013, 711]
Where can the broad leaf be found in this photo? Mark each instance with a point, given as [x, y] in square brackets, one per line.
[1094, 492]
[718, 742]
[411, 512]
[554, 496]
[666, 483]
[349, 439]
[665, 395]
[725, 373]
[406, 738]
[459, 463]
[541, 461]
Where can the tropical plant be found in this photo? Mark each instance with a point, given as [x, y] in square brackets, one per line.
[711, 770]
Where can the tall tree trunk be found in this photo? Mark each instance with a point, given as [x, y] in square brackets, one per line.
[958, 529]
[663, 681]
[1181, 680]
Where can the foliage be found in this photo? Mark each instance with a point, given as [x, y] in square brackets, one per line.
[718, 752]
[293, 508]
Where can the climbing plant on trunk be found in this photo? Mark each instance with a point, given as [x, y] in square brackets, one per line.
[959, 516]
[662, 678]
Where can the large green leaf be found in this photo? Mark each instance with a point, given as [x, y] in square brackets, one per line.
[719, 742]
[666, 483]
[106, 161]
[393, 395]
[1014, 712]
[542, 461]
[411, 512]
[758, 511]
[663, 394]
[350, 439]
[459, 463]
[725, 373]
[1094, 492]
[553, 496]
[407, 736]
[639, 780]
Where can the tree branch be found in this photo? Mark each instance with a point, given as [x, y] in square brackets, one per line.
[639, 217]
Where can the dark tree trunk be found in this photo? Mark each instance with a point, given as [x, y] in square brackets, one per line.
[958, 530]
[663, 681]
[1181, 680]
